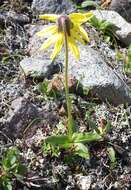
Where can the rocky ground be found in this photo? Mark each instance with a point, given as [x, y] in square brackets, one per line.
[100, 86]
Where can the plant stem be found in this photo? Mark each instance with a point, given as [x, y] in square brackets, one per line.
[68, 102]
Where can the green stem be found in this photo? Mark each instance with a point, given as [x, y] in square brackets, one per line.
[68, 102]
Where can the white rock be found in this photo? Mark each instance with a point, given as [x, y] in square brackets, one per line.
[84, 182]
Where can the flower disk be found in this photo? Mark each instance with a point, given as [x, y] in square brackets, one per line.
[69, 25]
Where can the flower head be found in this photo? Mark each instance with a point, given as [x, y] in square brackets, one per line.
[69, 25]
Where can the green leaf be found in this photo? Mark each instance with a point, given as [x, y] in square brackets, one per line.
[107, 39]
[108, 127]
[112, 156]
[51, 149]
[71, 126]
[81, 150]
[43, 87]
[85, 137]
[129, 48]
[21, 169]
[129, 59]
[13, 159]
[95, 22]
[107, 28]
[119, 56]
[88, 4]
[7, 184]
[19, 177]
[11, 165]
[57, 140]
[9, 158]
[8, 187]
[105, 25]
[129, 54]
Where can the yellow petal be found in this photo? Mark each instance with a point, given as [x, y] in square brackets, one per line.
[77, 36]
[82, 32]
[50, 17]
[58, 46]
[78, 18]
[48, 30]
[89, 15]
[73, 47]
[49, 42]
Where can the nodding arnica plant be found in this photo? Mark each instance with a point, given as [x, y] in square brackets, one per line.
[66, 32]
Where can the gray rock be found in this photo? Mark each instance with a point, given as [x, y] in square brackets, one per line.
[35, 42]
[92, 72]
[52, 6]
[124, 31]
[24, 115]
[11, 90]
[39, 68]
[22, 112]
[123, 7]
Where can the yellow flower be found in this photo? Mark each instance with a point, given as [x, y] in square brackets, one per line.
[69, 25]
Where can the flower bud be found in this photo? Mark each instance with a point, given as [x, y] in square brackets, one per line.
[64, 24]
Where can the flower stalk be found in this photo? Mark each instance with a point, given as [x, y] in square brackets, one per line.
[68, 101]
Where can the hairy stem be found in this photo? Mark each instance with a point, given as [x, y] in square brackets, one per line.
[68, 102]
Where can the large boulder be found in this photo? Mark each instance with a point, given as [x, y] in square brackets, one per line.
[124, 28]
[123, 7]
[25, 117]
[22, 112]
[92, 72]
[52, 6]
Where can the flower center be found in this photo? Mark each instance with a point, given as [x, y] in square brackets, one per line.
[64, 24]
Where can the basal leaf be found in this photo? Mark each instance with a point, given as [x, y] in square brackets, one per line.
[108, 127]
[85, 137]
[112, 156]
[81, 150]
[8, 187]
[7, 184]
[57, 140]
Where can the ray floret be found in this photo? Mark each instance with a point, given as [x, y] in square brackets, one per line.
[71, 25]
